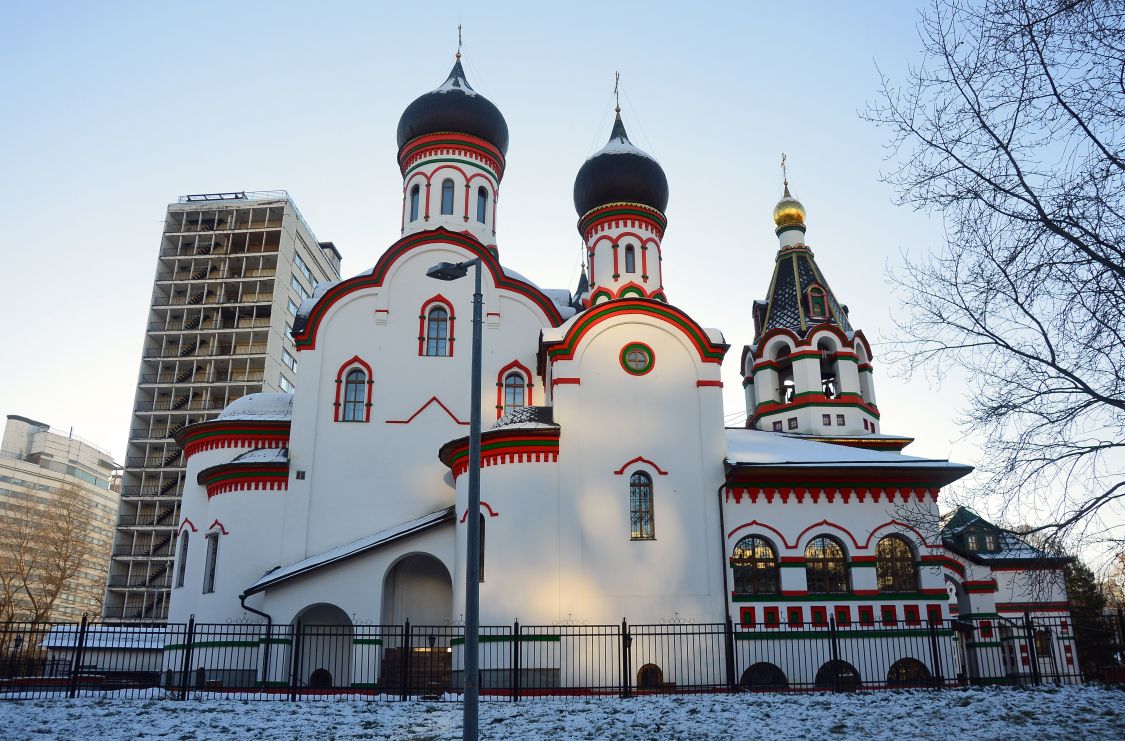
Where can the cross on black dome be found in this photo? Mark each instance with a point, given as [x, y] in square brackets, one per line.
[454, 107]
[620, 172]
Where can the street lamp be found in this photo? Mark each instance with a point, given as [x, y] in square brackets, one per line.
[470, 724]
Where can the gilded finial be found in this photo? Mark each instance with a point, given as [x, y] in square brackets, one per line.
[458, 42]
[785, 175]
[788, 211]
[616, 94]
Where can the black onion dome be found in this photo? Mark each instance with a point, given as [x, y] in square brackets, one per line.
[454, 106]
[620, 171]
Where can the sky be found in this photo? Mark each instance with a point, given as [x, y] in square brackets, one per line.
[113, 110]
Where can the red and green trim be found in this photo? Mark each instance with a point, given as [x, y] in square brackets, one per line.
[612, 215]
[306, 339]
[219, 433]
[244, 476]
[503, 446]
[983, 586]
[1033, 607]
[816, 398]
[480, 152]
[708, 351]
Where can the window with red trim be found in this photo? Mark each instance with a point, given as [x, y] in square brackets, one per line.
[771, 617]
[843, 616]
[355, 396]
[515, 391]
[889, 614]
[746, 617]
[818, 303]
[819, 616]
[794, 616]
[866, 615]
[933, 613]
[911, 615]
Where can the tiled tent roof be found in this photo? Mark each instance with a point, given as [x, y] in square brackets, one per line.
[1012, 547]
[795, 273]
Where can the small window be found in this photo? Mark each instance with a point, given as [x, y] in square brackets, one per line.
[826, 420]
[293, 307]
[447, 197]
[637, 359]
[515, 387]
[991, 542]
[482, 204]
[792, 423]
[640, 507]
[777, 426]
[630, 259]
[840, 420]
[289, 360]
[818, 305]
[415, 194]
[299, 289]
[302, 267]
[437, 332]
[355, 395]
[284, 384]
[212, 560]
[972, 542]
[181, 565]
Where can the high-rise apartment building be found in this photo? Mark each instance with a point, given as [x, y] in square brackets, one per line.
[232, 271]
[58, 506]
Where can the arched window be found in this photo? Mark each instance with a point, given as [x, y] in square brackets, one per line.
[211, 563]
[908, 672]
[829, 369]
[447, 196]
[482, 204]
[415, 195]
[894, 566]
[181, 565]
[755, 566]
[437, 332]
[640, 507]
[826, 568]
[786, 389]
[630, 259]
[515, 386]
[355, 396]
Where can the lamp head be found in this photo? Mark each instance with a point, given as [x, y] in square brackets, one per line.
[448, 271]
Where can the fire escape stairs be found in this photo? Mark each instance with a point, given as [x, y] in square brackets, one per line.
[181, 401]
[201, 273]
[186, 373]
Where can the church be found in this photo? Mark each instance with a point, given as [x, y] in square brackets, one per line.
[610, 486]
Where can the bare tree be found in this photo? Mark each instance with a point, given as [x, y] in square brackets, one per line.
[1013, 130]
[43, 546]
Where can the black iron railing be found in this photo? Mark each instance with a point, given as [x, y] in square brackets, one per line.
[254, 660]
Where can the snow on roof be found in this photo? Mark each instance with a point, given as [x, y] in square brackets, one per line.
[319, 290]
[759, 448]
[617, 146]
[356, 547]
[261, 406]
[264, 455]
[106, 636]
[560, 297]
[531, 418]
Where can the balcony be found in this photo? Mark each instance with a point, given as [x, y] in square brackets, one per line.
[191, 376]
[136, 551]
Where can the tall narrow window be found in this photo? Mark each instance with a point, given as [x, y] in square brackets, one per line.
[514, 391]
[481, 574]
[630, 259]
[437, 332]
[640, 507]
[415, 196]
[482, 204]
[355, 393]
[447, 196]
[755, 566]
[826, 569]
[181, 565]
[818, 304]
[894, 565]
[212, 559]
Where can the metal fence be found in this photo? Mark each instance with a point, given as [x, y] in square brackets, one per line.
[398, 662]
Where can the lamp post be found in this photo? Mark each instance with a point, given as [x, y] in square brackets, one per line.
[470, 724]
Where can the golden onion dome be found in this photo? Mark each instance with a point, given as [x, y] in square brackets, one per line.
[788, 211]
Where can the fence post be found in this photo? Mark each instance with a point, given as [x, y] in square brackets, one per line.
[295, 662]
[834, 643]
[404, 665]
[1029, 631]
[935, 654]
[729, 639]
[79, 650]
[185, 661]
[516, 661]
[626, 660]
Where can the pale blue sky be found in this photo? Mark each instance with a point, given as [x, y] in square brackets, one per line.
[112, 110]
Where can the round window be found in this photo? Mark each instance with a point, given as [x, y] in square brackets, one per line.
[637, 358]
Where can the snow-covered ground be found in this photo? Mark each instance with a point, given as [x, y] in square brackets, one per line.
[1074, 713]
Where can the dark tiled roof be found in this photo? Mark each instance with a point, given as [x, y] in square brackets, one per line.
[786, 307]
[524, 416]
[1011, 546]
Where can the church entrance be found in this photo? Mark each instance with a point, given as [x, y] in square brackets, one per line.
[321, 656]
[418, 589]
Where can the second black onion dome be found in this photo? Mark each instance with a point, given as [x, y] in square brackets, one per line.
[620, 172]
[455, 107]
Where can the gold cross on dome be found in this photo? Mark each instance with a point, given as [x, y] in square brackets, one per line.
[616, 95]
[784, 171]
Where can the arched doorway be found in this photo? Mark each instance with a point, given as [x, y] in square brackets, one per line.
[418, 588]
[321, 655]
[650, 677]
